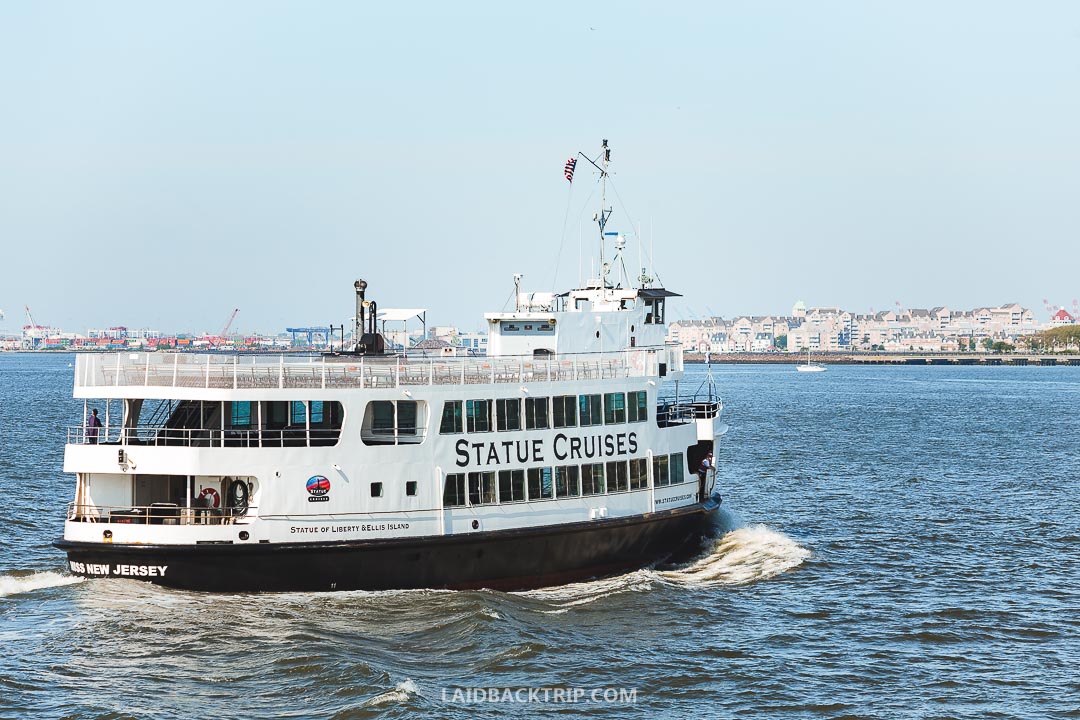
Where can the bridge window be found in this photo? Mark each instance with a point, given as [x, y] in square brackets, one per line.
[654, 311]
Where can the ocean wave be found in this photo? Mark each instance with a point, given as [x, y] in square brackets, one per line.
[28, 582]
[400, 694]
[741, 556]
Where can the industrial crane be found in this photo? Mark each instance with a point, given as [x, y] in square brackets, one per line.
[225, 330]
[221, 337]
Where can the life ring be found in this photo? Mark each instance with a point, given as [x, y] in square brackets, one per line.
[238, 497]
[212, 493]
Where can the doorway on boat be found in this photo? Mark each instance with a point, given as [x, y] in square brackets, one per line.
[695, 456]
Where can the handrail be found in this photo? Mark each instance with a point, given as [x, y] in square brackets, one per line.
[157, 514]
[196, 437]
[259, 371]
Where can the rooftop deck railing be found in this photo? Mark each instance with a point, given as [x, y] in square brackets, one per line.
[179, 370]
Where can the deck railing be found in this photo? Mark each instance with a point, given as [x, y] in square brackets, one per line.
[195, 437]
[156, 514]
[234, 372]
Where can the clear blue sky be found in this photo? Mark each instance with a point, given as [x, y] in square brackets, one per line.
[161, 164]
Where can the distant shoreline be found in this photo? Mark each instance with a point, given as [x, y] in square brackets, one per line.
[762, 358]
[883, 358]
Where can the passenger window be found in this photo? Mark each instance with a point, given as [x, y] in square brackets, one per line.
[511, 486]
[637, 406]
[567, 483]
[616, 476]
[376, 489]
[454, 490]
[481, 488]
[639, 473]
[589, 410]
[592, 479]
[478, 415]
[614, 408]
[540, 486]
[536, 413]
[393, 422]
[453, 422]
[676, 468]
[508, 414]
[660, 471]
[564, 411]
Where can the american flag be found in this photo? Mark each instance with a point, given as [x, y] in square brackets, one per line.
[568, 171]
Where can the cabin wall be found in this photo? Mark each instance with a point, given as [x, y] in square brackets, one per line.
[109, 490]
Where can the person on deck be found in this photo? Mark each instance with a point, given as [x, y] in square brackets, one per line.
[93, 426]
[703, 471]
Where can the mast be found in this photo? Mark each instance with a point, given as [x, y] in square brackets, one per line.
[605, 212]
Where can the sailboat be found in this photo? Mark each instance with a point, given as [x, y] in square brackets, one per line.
[809, 366]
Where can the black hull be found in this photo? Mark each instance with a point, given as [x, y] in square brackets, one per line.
[501, 560]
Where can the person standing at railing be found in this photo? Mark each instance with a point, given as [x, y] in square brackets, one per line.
[93, 427]
[703, 472]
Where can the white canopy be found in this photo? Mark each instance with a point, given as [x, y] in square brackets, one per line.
[400, 314]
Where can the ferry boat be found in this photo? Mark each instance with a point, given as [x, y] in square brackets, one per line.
[568, 452]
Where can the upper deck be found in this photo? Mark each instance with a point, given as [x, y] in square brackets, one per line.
[182, 375]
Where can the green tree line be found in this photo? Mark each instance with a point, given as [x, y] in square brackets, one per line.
[1066, 337]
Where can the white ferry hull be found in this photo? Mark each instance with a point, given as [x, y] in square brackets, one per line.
[517, 559]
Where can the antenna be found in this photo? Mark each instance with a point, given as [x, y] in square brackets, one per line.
[517, 291]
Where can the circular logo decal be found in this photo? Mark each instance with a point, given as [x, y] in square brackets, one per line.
[318, 485]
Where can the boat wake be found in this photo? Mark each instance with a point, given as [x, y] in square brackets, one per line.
[24, 582]
[563, 598]
[738, 556]
[741, 556]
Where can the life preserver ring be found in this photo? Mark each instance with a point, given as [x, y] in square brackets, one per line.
[212, 493]
[238, 497]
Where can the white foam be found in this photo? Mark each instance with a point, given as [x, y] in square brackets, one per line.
[401, 693]
[565, 597]
[741, 556]
[18, 584]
